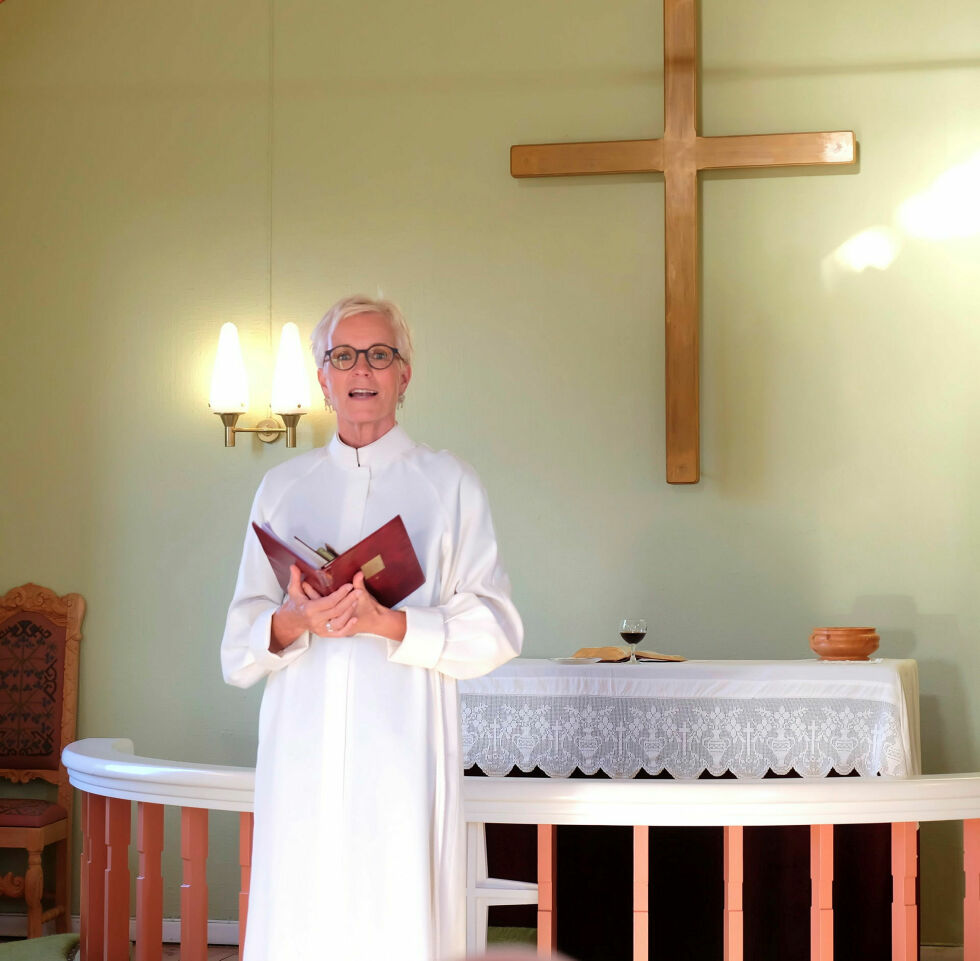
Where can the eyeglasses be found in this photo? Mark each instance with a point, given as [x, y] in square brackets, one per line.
[344, 357]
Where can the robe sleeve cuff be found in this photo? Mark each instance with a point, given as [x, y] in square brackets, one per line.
[258, 641]
[425, 637]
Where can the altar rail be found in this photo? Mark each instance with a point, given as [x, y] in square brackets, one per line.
[110, 777]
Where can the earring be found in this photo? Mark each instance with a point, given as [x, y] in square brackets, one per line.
[401, 401]
[327, 404]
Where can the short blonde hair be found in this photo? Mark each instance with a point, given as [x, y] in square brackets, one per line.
[359, 304]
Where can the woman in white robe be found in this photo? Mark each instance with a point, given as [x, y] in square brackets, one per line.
[359, 849]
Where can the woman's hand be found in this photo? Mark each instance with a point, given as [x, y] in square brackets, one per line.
[303, 609]
[373, 617]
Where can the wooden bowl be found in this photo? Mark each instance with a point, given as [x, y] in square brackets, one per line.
[844, 643]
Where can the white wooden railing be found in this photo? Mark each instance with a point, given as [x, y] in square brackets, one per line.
[111, 777]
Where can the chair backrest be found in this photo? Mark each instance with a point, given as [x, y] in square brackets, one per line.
[40, 634]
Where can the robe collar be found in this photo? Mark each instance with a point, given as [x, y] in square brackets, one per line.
[386, 449]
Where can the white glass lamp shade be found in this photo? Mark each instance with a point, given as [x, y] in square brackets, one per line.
[290, 386]
[229, 383]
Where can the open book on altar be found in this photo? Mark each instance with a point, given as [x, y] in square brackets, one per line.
[387, 558]
[613, 655]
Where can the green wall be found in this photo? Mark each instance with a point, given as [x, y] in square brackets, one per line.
[839, 409]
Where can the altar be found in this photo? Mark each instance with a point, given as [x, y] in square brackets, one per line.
[688, 717]
[745, 719]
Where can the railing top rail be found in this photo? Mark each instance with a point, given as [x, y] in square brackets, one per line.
[841, 800]
[109, 767]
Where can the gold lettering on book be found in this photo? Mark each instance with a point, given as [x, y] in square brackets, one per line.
[374, 566]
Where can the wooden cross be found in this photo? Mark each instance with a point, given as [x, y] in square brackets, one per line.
[680, 154]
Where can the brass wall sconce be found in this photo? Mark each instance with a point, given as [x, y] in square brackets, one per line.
[290, 388]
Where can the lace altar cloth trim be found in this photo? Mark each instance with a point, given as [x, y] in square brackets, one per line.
[683, 736]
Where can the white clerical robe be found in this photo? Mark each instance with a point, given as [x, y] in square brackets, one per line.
[359, 841]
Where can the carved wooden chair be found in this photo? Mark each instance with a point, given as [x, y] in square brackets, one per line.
[39, 639]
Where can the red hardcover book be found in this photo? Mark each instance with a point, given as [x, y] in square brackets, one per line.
[387, 558]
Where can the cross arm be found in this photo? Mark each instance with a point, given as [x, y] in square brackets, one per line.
[776, 150]
[601, 157]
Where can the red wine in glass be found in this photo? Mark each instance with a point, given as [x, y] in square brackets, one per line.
[633, 630]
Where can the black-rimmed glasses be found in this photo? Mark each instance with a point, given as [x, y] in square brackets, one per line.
[344, 357]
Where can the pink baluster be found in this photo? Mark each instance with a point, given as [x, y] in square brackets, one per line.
[149, 882]
[971, 897]
[733, 892]
[83, 874]
[194, 890]
[547, 883]
[117, 880]
[822, 897]
[62, 884]
[641, 893]
[905, 925]
[93, 877]
[246, 824]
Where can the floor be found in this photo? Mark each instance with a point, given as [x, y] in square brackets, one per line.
[216, 952]
[227, 952]
[222, 952]
[219, 952]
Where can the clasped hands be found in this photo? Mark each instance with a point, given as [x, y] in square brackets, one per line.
[349, 610]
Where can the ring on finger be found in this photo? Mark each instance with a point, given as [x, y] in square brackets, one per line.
[329, 628]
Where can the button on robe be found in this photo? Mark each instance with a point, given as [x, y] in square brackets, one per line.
[359, 847]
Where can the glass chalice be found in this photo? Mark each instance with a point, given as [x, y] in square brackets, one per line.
[633, 630]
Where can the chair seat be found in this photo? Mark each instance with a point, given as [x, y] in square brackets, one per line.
[29, 813]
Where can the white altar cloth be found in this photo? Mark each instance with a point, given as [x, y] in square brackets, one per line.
[743, 717]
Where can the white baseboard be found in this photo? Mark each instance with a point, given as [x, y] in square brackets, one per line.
[219, 932]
